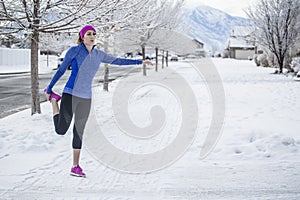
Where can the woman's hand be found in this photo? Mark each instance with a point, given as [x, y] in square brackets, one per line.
[147, 62]
[47, 96]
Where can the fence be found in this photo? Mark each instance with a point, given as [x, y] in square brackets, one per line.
[14, 60]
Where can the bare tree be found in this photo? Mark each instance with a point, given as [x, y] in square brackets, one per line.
[173, 41]
[161, 37]
[275, 21]
[33, 17]
[115, 19]
[140, 28]
[151, 21]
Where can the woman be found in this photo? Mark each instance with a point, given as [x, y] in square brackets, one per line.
[76, 98]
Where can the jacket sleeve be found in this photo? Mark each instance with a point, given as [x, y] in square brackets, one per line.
[106, 58]
[62, 68]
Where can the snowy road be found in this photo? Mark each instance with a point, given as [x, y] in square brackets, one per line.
[15, 91]
[257, 156]
[15, 88]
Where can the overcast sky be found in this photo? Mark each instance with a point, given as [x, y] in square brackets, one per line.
[232, 7]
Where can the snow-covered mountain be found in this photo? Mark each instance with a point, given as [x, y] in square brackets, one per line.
[209, 25]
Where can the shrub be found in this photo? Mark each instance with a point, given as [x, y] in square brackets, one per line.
[255, 59]
[295, 65]
[263, 60]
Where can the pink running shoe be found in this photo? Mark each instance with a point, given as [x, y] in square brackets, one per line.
[77, 171]
[53, 95]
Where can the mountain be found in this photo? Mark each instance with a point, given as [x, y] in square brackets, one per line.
[209, 25]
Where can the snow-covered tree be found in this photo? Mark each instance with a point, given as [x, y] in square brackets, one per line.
[275, 21]
[161, 37]
[295, 65]
[140, 28]
[33, 17]
[115, 19]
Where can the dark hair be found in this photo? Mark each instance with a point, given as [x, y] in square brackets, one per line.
[79, 40]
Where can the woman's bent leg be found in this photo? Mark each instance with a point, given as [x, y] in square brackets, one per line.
[63, 119]
[55, 108]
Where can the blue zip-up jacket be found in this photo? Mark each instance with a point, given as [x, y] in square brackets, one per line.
[85, 65]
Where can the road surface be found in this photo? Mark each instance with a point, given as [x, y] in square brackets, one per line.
[15, 89]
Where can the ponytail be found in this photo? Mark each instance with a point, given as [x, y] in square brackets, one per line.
[79, 40]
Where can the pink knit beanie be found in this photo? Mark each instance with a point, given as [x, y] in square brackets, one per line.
[85, 29]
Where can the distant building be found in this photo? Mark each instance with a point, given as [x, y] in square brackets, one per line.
[295, 51]
[240, 44]
[200, 48]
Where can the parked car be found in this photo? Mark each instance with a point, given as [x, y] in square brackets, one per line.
[139, 56]
[174, 58]
[191, 56]
[61, 58]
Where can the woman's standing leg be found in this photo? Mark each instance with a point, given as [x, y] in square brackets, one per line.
[82, 112]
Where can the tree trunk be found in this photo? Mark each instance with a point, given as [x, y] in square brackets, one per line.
[163, 59]
[106, 70]
[106, 77]
[35, 98]
[47, 58]
[167, 57]
[144, 66]
[280, 63]
[156, 59]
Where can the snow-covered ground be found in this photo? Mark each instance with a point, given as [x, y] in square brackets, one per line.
[256, 157]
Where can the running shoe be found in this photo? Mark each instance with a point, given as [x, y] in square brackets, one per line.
[77, 171]
[53, 95]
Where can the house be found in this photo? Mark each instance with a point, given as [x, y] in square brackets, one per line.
[240, 44]
[295, 50]
[200, 52]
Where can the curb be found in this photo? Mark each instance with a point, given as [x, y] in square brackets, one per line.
[12, 73]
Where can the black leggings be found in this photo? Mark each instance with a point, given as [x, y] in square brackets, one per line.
[69, 106]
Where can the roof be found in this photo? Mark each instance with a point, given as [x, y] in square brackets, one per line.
[239, 43]
[241, 31]
[198, 42]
